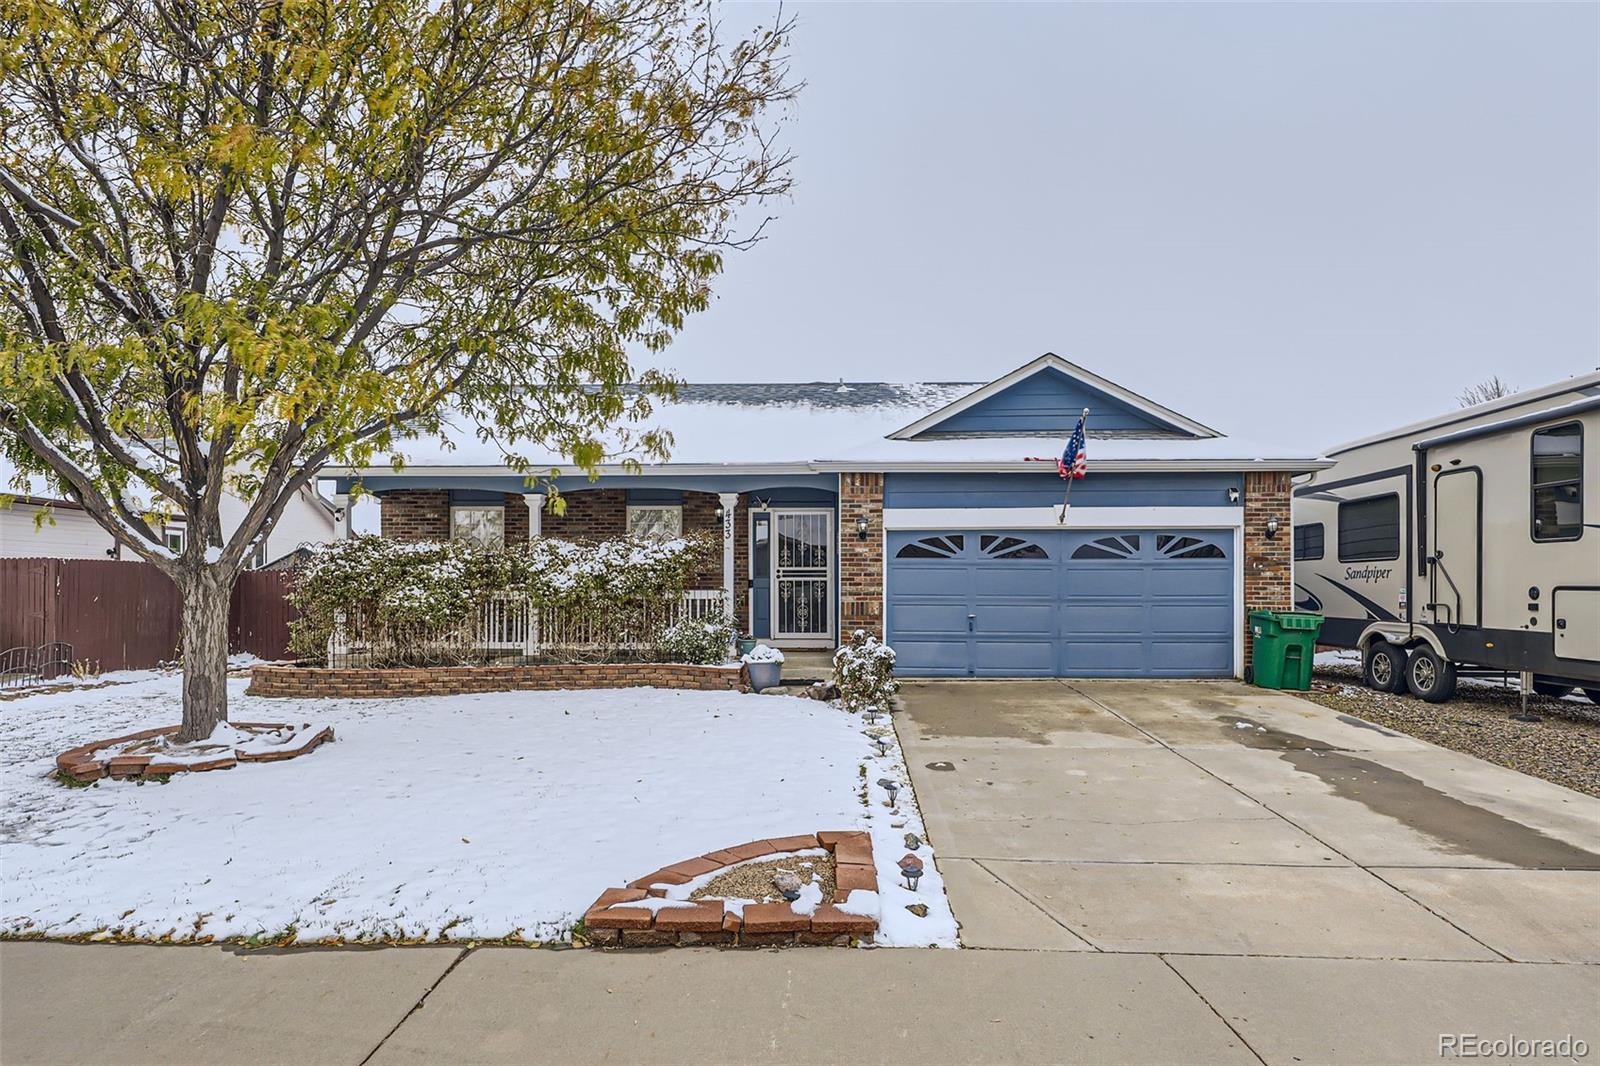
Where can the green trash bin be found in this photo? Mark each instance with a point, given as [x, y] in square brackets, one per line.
[1283, 646]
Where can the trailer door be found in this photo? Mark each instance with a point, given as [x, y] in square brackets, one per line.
[1456, 576]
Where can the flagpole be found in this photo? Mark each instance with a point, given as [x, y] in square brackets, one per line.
[1066, 500]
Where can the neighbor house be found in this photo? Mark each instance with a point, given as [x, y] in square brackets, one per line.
[41, 525]
[928, 513]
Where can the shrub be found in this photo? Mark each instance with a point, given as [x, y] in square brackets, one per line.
[702, 641]
[863, 671]
[410, 593]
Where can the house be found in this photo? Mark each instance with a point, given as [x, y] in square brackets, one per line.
[929, 513]
[68, 532]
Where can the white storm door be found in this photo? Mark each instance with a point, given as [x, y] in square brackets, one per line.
[802, 575]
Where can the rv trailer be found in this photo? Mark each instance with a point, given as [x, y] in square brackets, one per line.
[1466, 544]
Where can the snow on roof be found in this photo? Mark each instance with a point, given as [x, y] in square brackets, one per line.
[828, 424]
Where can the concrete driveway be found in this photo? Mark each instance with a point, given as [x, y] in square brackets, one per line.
[1278, 856]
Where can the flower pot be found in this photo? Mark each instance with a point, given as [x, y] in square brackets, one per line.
[746, 645]
[764, 675]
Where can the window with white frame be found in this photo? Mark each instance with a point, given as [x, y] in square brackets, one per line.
[176, 539]
[655, 521]
[481, 525]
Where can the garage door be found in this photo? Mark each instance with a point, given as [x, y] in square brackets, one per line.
[994, 603]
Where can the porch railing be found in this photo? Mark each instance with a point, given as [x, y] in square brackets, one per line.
[511, 628]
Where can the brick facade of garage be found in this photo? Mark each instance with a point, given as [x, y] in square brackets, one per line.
[861, 559]
[1268, 561]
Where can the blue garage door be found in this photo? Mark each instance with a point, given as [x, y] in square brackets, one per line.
[990, 603]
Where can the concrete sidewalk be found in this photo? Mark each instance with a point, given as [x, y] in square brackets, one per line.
[67, 1003]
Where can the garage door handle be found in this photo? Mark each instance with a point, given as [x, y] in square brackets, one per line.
[971, 618]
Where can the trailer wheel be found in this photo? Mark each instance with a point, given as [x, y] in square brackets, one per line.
[1551, 689]
[1429, 677]
[1383, 667]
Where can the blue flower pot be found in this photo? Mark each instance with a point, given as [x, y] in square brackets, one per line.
[764, 675]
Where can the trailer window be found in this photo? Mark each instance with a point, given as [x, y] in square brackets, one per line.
[1558, 482]
[1369, 529]
[1308, 541]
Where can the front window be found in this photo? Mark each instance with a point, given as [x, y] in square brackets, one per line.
[485, 526]
[1369, 529]
[175, 540]
[1558, 482]
[655, 523]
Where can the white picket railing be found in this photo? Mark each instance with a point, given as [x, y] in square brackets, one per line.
[510, 626]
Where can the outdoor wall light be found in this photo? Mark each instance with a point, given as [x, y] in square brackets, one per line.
[720, 514]
[1272, 528]
[1233, 495]
[861, 528]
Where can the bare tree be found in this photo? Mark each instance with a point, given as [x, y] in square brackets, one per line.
[1483, 392]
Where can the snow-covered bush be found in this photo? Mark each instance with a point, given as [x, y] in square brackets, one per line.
[863, 672]
[763, 653]
[617, 590]
[699, 640]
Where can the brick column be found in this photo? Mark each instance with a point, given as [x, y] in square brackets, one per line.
[1267, 574]
[415, 514]
[861, 561]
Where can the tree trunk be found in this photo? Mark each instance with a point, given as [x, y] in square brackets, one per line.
[205, 593]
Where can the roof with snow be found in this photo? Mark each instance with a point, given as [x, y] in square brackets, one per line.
[826, 426]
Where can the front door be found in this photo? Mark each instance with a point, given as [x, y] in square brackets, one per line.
[802, 576]
[1455, 579]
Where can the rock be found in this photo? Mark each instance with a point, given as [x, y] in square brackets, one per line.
[919, 909]
[913, 841]
[897, 825]
[787, 882]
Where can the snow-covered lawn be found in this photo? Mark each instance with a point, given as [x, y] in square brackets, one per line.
[467, 817]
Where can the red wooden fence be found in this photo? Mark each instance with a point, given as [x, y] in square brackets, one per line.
[259, 615]
[126, 615]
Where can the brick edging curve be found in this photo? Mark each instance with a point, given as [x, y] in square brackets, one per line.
[384, 683]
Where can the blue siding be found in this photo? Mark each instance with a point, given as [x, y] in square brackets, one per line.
[1049, 402]
[1045, 490]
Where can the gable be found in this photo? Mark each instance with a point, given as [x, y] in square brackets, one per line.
[1044, 399]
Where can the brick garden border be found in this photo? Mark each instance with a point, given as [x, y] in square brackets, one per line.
[81, 765]
[708, 921]
[370, 683]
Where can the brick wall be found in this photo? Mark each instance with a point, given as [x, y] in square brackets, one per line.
[415, 514]
[861, 561]
[1267, 580]
[591, 514]
[303, 682]
[424, 514]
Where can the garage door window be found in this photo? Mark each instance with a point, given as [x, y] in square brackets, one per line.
[1172, 546]
[996, 547]
[1124, 547]
[1369, 529]
[933, 547]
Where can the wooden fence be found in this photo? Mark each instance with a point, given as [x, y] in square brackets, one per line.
[127, 615]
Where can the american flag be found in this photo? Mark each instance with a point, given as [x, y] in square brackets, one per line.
[1074, 462]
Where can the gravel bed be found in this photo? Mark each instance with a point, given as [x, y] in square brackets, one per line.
[753, 880]
[1562, 747]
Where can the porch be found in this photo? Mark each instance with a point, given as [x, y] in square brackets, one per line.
[778, 570]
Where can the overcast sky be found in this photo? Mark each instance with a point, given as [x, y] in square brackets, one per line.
[1297, 223]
